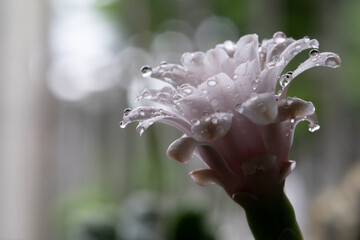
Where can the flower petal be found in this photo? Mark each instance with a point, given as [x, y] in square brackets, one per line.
[285, 169]
[204, 177]
[171, 73]
[211, 126]
[182, 149]
[296, 47]
[165, 96]
[294, 108]
[247, 49]
[260, 109]
[149, 115]
[325, 59]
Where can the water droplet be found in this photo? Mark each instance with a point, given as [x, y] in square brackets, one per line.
[211, 83]
[261, 107]
[292, 120]
[314, 43]
[229, 47]
[314, 128]
[332, 61]
[142, 113]
[141, 130]
[279, 37]
[306, 39]
[122, 125]
[285, 80]
[254, 85]
[313, 53]
[127, 111]
[194, 122]
[204, 91]
[235, 76]
[214, 102]
[146, 71]
[187, 91]
[163, 63]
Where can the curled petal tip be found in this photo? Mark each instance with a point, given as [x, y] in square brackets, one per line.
[181, 149]
[204, 177]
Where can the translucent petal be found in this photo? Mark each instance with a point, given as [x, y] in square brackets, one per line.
[211, 126]
[296, 47]
[247, 49]
[294, 108]
[325, 59]
[171, 73]
[204, 177]
[164, 96]
[260, 109]
[220, 91]
[151, 115]
[274, 52]
[182, 149]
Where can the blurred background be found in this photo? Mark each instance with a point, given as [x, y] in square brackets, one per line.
[69, 68]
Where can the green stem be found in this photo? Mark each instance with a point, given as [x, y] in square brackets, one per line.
[271, 218]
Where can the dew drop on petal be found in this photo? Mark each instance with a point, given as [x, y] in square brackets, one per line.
[122, 125]
[332, 61]
[314, 43]
[306, 39]
[313, 53]
[187, 91]
[142, 113]
[146, 71]
[285, 79]
[279, 37]
[127, 111]
[235, 76]
[229, 48]
[211, 83]
[292, 120]
[141, 130]
[314, 127]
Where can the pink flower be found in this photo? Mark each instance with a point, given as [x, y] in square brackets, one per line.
[225, 102]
